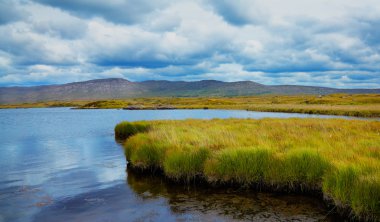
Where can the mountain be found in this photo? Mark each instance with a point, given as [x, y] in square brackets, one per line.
[116, 88]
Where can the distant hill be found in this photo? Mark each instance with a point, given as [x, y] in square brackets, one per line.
[116, 88]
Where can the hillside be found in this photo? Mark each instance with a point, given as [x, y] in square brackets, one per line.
[116, 88]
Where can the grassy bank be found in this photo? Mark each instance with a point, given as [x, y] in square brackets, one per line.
[361, 105]
[365, 105]
[51, 104]
[341, 158]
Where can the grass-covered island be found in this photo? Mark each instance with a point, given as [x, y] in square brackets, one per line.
[337, 158]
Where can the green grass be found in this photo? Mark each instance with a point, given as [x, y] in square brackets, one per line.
[339, 157]
[185, 163]
[124, 130]
[240, 165]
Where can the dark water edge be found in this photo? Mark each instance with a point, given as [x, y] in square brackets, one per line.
[65, 165]
[158, 199]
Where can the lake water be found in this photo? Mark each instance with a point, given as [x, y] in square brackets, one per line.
[59, 164]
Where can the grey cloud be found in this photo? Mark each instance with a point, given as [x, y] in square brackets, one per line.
[238, 12]
[364, 76]
[117, 11]
[369, 31]
[10, 13]
[66, 28]
[29, 48]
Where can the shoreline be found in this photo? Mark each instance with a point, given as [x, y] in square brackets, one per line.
[266, 109]
[342, 212]
[307, 112]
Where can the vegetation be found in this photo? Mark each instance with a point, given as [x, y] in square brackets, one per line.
[44, 104]
[361, 105]
[341, 158]
[105, 104]
[365, 105]
[126, 129]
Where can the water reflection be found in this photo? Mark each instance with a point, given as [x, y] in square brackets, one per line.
[151, 198]
[227, 203]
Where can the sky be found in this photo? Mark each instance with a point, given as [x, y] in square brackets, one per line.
[332, 43]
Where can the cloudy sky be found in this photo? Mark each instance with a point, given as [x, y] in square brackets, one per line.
[334, 43]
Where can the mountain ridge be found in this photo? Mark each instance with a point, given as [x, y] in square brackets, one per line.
[118, 88]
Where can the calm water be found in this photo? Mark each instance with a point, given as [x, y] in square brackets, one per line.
[64, 165]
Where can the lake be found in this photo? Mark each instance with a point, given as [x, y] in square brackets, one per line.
[64, 165]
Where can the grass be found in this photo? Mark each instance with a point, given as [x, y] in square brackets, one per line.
[105, 104]
[49, 104]
[126, 129]
[341, 158]
[361, 105]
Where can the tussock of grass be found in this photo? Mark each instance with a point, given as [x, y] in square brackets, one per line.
[144, 152]
[355, 186]
[341, 181]
[366, 196]
[124, 130]
[185, 164]
[241, 165]
[302, 166]
[263, 166]
[339, 157]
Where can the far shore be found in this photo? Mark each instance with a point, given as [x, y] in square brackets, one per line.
[358, 105]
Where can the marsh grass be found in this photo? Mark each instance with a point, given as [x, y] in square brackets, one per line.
[339, 157]
[242, 165]
[185, 164]
[124, 130]
[356, 187]
[302, 166]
